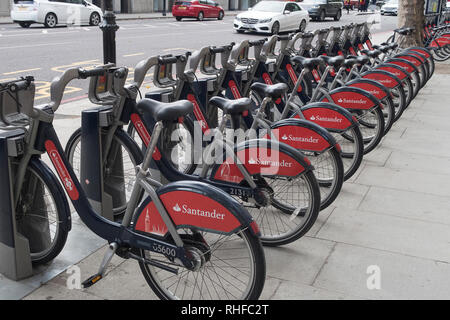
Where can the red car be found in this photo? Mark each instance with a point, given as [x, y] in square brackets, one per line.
[199, 9]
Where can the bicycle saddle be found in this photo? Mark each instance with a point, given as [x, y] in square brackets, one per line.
[372, 53]
[404, 31]
[336, 62]
[391, 45]
[273, 91]
[348, 63]
[229, 106]
[307, 62]
[307, 35]
[161, 111]
[362, 60]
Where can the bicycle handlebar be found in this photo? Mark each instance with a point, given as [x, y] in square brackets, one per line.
[59, 84]
[142, 68]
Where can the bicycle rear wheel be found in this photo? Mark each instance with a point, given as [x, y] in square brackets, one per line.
[232, 268]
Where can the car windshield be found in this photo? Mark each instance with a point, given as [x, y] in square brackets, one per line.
[392, 2]
[269, 6]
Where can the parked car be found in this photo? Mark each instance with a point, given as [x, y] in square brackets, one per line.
[198, 9]
[390, 7]
[54, 12]
[320, 9]
[272, 17]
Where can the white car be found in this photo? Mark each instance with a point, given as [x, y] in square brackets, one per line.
[272, 17]
[54, 12]
[390, 7]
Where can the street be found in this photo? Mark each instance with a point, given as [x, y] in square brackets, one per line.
[46, 53]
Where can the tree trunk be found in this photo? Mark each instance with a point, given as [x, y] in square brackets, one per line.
[411, 14]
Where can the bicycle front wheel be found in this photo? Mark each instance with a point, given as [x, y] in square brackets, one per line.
[42, 214]
[119, 173]
[233, 268]
[292, 211]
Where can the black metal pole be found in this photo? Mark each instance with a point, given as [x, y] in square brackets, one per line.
[109, 28]
[164, 8]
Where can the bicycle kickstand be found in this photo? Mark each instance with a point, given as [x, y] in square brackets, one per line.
[106, 260]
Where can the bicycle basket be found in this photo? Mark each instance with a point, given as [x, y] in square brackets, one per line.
[13, 103]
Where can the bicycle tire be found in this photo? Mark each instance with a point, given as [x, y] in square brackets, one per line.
[134, 154]
[253, 293]
[41, 171]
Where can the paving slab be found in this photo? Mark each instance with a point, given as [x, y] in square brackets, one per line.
[406, 204]
[299, 261]
[409, 180]
[388, 233]
[349, 269]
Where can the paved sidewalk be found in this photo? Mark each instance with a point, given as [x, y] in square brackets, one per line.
[390, 217]
[134, 16]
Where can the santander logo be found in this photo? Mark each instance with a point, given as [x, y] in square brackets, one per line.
[299, 139]
[184, 209]
[326, 119]
[271, 163]
[353, 101]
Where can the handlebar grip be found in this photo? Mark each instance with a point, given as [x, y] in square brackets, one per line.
[257, 42]
[217, 49]
[167, 59]
[84, 74]
[21, 84]
[285, 37]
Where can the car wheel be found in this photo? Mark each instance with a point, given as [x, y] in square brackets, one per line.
[178, 18]
[276, 27]
[302, 26]
[95, 19]
[50, 20]
[25, 24]
[200, 16]
[338, 16]
[221, 14]
[322, 16]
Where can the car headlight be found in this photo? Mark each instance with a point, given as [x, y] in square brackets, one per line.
[265, 20]
[316, 7]
[237, 19]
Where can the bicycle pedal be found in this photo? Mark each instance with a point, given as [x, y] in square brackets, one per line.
[92, 280]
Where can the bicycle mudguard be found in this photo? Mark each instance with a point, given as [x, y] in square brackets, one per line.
[329, 116]
[421, 50]
[352, 98]
[387, 79]
[261, 157]
[405, 64]
[397, 71]
[373, 87]
[302, 134]
[411, 58]
[193, 204]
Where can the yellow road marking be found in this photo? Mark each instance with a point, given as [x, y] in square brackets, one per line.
[134, 54]
[21, 71]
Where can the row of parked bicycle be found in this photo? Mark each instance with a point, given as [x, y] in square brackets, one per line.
[308, 105]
